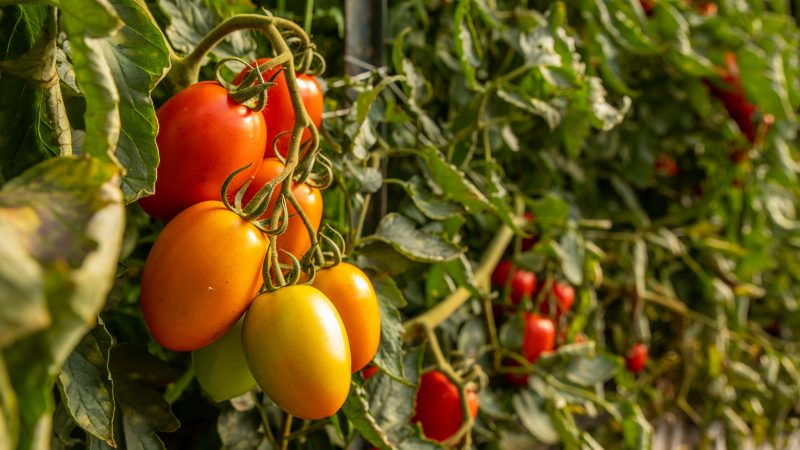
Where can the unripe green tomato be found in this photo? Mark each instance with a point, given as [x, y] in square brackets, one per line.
[297, 349]
[221, 368]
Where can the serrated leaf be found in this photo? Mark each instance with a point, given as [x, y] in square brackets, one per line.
[63, 219]
[534, 106]
[356, 409]
[144, 411]
[138, 57]
[529, 409]
[86, 388]
[433, 206]
[86, 21]
[190, 20]
[590, 371]
[453, 183]
[402, 234]
[390, 353]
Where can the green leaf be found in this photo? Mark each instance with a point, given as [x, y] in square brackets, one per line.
[433, 206]
[637, 430]
[590, 371]
[356, 408]
[571, 253]
[452, 182]
[462, 39]
[25, 134]
[606, 115]
[361, 135]
[239, 430]
[190, 20]
[85, 21]
[533, 106]
[673, 25]
[86, 388]
[9, 409]
[400, 233]
[138, 57]
[390, 353]
[619, 20]
[63, 221]
[765, 82]
[529, 408]
[137, 374]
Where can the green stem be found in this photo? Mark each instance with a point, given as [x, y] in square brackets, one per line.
[309, 16]
[175, 389]
[287, 430]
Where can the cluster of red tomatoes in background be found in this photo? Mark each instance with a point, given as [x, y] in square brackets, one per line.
[201, 283]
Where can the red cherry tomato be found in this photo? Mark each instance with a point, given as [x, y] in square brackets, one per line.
[636, 358]
[564, 296]
[203, 136]
[279, 113]
[733, 97]
[522, 282]
[295, 239]
[537, 338]
[438, 406]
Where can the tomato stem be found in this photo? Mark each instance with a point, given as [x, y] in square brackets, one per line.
[287, 430]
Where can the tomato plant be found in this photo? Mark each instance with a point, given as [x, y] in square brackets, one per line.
[298, 327]
[203, 136]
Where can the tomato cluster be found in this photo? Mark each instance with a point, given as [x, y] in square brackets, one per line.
[202, 284]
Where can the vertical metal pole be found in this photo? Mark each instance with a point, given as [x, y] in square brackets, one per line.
[365, 40]
[364, 34]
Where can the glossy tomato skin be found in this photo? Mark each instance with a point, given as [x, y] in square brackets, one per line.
[221, 368]
[350, 290]
[369, 371]
[295, 239]
[297, 349]
[203, 136]
[279, 113]
[538, 337]
[438, 406]
[636, 358]
[201, 275]
[564, 296]
[522, 282]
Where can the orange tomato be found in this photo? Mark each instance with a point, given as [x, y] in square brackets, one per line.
[295, 240]
[350, 290]
[297, 349]
[201, 275]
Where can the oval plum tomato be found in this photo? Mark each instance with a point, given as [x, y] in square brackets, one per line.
[564, 296]
[438, 406]
[201, 275]
[203, 136]
[350, 290]
[522, 282]
[279, 113]
[221, 368]
[539, 336]
[295, 239]
[636, 358]
[297, 349]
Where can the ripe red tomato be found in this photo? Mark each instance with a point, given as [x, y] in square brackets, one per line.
[522, 282]
[438, 406]
[369, 371]
[201, 275]
[537, 338]
[295, 239]
[636, 358]
[297, 349]
[564, 295]
[203, 136]
[733, 97]
[279, 113]
[350, 290]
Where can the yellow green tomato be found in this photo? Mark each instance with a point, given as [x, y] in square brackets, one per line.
[221, 368]
[297, 349]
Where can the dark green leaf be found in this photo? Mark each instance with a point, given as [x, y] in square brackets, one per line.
[637, 430]
[529, 409]
[413, 243]
[431, 205]
[533, 106]
[138, 57]
[356, 408]
[86, 387]
[390, 353]
[239, 430]
[453, 183]
[590, 371]
[137, 374]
